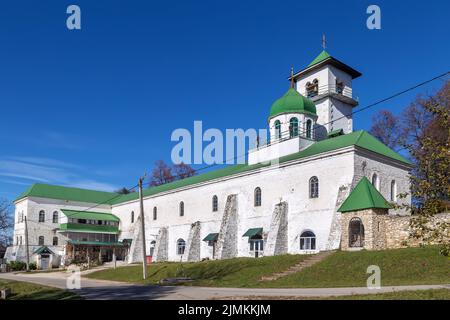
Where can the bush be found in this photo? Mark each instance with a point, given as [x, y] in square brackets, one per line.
[32, 266]
[17, 265]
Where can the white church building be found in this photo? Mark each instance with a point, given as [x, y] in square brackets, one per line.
[286, 199]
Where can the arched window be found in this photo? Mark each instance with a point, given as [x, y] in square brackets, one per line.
[257, 197]
[132, 216]
[376, 181]
[312, 89]
[293, 127]
[181, 245]
[314, 187]
[393, 191]
[215, 203]
[41, 240]
[55, 241]
[181, 208]
[307, 241]
[277, 129]
[41, 216]
[55, 217]
[309, 128]
[155, 213]
[355, 233]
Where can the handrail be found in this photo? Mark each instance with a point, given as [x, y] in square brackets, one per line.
[327, 89]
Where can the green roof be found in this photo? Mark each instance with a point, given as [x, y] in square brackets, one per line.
[67, 193]
[292, 102]
[364, 196]
[43, 250]
[211, 237]
[361, 139]
[321, 57]
[253, 232]
[90, 228]
[325, 58]
[96, 243]
[89, 215]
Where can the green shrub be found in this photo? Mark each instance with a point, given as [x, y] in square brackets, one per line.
[17, 265]
[32, 266]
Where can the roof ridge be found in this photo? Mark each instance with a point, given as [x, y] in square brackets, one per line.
[368, 190]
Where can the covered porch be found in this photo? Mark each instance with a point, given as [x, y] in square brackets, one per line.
[93, 252]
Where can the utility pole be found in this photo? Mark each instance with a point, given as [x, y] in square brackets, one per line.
[144, 251]
[27, 244]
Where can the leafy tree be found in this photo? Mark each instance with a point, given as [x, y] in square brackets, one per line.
[424, 131]
[430, 181]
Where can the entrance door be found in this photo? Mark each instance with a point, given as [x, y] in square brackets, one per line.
[256, 247]
[45, 261]
[356, 233]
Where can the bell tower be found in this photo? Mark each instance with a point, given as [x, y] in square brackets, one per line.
[328, 83]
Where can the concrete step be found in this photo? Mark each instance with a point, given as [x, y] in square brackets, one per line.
[308, 262]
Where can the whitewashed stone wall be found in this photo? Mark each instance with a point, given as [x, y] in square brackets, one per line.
[288, 183]
[368, 163]
[31, 206]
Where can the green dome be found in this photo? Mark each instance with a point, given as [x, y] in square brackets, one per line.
[292, 102]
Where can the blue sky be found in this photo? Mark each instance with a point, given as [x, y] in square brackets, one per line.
[96, 107]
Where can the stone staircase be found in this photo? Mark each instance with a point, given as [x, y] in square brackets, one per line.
[308, 262]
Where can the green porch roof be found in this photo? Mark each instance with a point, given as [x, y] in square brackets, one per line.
[360, 139]
[66, 193]
[90, 215]
[253, 232]
[364, 196]
[89, 228]
[211, 237]
[43, 250]
[96, 243]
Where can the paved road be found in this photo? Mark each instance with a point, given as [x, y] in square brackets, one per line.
[110, 290]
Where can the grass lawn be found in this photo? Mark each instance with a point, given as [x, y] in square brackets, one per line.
[435, 294]
[398, 267]
[238, 272]
[30, 291]
[341, 269]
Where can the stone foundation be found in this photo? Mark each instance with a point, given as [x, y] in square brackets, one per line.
[383, 231]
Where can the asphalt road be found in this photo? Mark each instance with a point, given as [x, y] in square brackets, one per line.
[112, 290]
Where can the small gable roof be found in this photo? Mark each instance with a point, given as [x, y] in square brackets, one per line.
[43, 250]
[364, 196]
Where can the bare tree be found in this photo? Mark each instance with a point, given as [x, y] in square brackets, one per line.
[183, 171]
[387, 128]
[161, 174]
[6, 223]
[122, 191]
